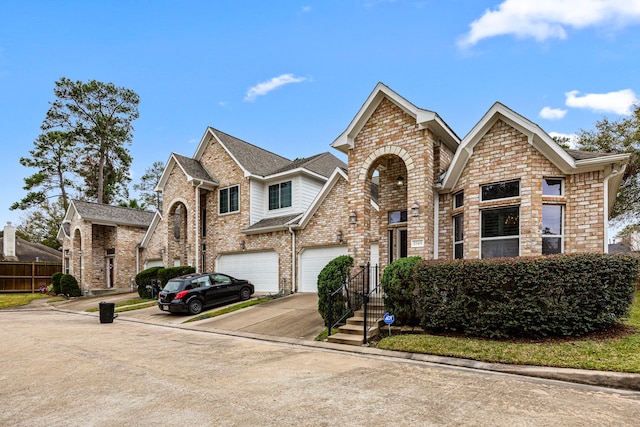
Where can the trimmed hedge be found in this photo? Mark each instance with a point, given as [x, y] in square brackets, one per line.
[399, 288]
[69, 286]
[145, 277]
[562, 295]
[55, 281]
[330, 279]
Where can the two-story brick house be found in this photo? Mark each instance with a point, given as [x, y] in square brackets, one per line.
[411, 187]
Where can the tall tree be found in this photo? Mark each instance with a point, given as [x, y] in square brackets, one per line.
[148, 183]
[619, 136]
[41, 225]
[99, 116]
[54, 158]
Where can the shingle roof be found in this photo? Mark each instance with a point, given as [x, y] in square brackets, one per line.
[256, 160]
[585, 155]
[97, 212]
[194, 168]
[275, 222]
[323, 164]
[29, 252]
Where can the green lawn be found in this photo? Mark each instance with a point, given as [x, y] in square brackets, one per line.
[15, 300]
[620, 354]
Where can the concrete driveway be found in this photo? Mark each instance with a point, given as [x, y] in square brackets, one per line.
[292, 316]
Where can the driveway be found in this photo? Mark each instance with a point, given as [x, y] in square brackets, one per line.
[64, 368]
[292, 316]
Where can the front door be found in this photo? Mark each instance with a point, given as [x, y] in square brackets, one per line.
[110, 273]
[398, 243]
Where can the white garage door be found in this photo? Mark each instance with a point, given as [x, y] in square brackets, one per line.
[261, 268]
[312, 261]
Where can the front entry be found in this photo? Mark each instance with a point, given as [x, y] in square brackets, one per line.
[110, 275]
[398, 243]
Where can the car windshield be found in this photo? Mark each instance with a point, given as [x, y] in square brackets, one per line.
[172, 286]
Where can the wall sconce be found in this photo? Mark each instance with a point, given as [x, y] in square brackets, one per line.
[415, 209]
[243, 245]
[339, 237]
[400, 181]
[353, 218]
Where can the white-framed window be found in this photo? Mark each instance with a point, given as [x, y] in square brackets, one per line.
[552, 229]
[280, 195]
[458, 236]
[458, 200]
[229, 199]
[500, 190]
[553, 187]
[500, 233]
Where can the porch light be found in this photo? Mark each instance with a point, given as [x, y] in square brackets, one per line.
[339, 236]
[415, 209]
[353, 218]
[400, 181]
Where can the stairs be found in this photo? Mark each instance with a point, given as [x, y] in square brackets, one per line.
[352, 332]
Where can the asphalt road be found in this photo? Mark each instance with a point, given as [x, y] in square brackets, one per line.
[66, 369]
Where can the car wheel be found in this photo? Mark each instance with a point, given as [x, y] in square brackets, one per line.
[245, 294]
[195, 306]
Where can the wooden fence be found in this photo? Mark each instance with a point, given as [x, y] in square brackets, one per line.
[26, 276]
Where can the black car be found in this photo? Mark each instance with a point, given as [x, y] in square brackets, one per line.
[194, 292]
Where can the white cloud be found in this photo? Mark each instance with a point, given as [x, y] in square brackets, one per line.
[544, 19]
[265, 87]
[552, 113]
[620, 102]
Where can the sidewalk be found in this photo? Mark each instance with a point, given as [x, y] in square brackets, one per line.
[294, 320]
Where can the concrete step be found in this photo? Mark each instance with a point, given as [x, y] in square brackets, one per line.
[349, 339]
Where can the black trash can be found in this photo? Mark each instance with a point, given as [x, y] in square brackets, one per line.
[106, 312]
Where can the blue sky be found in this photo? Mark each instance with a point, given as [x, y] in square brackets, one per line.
[289, 76]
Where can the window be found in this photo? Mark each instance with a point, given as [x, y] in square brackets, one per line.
[500, 232]
[280, 195]
[552, 187]
[397, 217]
[501, 190]
[551, 229]
[229, 199]
[458, 200]
[458, 225]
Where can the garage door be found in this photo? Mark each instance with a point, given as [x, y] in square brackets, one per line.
[261, 268]
[312, 261]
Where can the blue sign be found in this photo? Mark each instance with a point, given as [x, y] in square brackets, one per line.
[388, 318]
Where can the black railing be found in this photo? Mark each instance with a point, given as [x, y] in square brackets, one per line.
[373, 302]
[360, 290]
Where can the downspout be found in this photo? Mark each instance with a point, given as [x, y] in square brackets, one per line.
[614, 172]
[293, 262]
[197, 248]
[436, 223]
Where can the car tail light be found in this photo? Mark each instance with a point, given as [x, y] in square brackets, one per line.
[182, 294]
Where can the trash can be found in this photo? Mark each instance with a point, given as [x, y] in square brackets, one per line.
[106, 312]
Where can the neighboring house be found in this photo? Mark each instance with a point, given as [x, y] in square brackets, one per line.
[100, 243]
[16, 249]
[411, 187]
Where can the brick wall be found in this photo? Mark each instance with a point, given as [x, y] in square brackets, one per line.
[504, 154]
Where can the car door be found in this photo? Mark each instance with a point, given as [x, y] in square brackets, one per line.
[224, 284]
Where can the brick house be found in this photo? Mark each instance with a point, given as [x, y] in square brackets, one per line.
[411, 187]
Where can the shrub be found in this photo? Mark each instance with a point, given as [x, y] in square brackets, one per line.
[400, 290]
[69, 286]
[145, 278]
[55, 281]
[564, 295]
[330, 279]
[166, 274]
